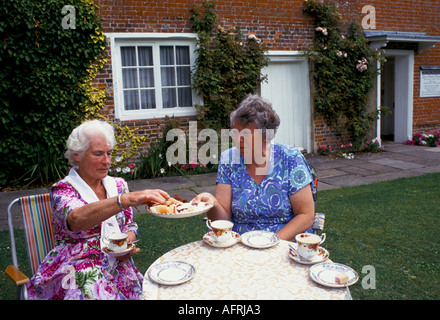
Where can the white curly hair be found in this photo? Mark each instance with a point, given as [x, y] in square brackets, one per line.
[79, 140]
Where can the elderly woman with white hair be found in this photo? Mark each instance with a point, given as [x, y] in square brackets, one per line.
[261, 185]
[87, 206]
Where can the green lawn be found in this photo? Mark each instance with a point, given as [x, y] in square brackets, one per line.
[388, 226]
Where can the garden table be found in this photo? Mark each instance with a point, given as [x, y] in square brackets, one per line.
[240, 272]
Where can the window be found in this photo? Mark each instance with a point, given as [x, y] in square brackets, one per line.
[152, 78]
[138, 77]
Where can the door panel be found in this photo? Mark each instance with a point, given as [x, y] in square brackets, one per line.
[288, 90]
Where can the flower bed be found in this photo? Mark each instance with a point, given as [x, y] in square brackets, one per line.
[430, 140]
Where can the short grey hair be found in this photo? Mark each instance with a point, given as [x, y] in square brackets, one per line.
[259, 112]
[79, 140]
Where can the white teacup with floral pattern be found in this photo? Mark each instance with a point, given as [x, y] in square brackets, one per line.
[116, 241]
[308, 244]
[222, 230]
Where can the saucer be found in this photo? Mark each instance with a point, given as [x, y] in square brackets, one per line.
[210, 239]
[260, 239]
[320, 257]
[325, 273]
[112, 253]
[171, 272]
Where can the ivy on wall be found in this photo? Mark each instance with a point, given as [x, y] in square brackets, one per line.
[50, 53]
[344, 69]
[227, 68]
[45, 53]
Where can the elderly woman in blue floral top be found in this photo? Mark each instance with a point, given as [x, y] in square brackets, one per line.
[261, 185]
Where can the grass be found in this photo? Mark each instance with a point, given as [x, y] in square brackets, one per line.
[390, 226]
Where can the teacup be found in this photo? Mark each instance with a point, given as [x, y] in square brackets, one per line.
[222, 229]
[116, 241]
[308, 244]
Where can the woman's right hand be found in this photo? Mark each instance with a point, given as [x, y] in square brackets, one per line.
[148, 196]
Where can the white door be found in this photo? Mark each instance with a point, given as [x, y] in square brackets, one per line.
[403, 93]
[288, 90]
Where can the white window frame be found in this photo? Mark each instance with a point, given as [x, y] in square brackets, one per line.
[127, 39]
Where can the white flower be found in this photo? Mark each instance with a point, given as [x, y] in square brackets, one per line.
[339, 54]
[348, 155]
[323, 30]
[253, 37]
[119, 159]
[126, 170]
[162, 170]
[169, 164]
[118, 169]
[362, 65]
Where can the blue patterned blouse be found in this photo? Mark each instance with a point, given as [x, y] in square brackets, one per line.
[264, 206]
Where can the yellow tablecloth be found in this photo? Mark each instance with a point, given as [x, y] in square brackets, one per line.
[240, 273]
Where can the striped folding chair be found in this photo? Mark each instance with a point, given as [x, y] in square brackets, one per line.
[37, 221]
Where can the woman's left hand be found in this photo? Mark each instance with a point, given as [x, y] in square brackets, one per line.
[131, 238]
[204, 197]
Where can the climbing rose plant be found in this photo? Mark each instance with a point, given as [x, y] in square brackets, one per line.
[344, 69]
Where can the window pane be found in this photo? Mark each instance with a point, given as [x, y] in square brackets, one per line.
[169, 97]
[129, 78]
[128, 56]
[148, 99]
[182, 54]
[185, 99]
[145, 56]
[131, 99]
[183, 76]
[166, 55]
[168, 76]
[146, 77]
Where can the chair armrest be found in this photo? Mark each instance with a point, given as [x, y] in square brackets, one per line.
[16, 275]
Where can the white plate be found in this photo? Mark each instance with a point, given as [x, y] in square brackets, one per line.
[204, 209]
[171, 272]
[209, 239]
[322, 256]
[324, 273]
[259, 239]
[111, 253]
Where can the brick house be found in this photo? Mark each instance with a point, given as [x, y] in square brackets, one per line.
[150, 41]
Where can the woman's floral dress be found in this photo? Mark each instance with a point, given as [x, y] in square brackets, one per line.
[76, 268]
[264, 206]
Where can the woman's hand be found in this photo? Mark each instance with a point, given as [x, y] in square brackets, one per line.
[148, 196]
[131, 237]
[221, 202]
[204, 197]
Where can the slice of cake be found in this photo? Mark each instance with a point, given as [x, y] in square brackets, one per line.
[341, 278]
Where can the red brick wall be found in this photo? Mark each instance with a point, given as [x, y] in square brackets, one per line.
[415, 16]
[283, 26]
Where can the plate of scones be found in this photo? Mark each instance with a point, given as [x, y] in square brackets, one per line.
[176, 207]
